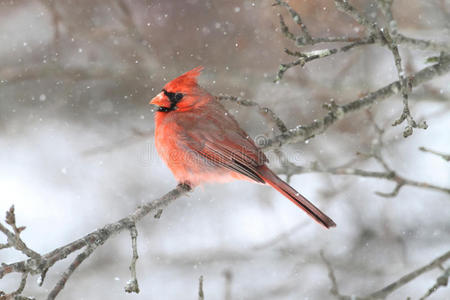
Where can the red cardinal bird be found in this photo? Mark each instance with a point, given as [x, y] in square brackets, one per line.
[201, 142]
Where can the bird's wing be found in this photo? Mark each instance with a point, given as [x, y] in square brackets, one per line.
[217, 137]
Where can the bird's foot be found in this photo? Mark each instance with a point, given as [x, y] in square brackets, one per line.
[185, 186]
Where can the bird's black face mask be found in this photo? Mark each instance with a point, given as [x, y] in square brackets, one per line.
[174, 98]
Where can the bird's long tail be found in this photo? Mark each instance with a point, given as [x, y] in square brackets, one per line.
[290, 193]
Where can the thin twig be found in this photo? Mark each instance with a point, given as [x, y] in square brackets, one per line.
[290, 169]
[386, 8]
[384, 35]
[382, 293]
[345, 7]
[16, 294]
[23, 282]
[441, 281]
[264, 111]
[422, 44]
[14, 239]
[201, 295]
[444, 156]
[406, 114]
[73, 266]
[132, 285]
[334, 290]
[305, 57]
[285, 29]
[297, 19]
[389, 289]
[387, 175]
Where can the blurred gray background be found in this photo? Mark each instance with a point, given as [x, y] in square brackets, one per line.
[77, 152]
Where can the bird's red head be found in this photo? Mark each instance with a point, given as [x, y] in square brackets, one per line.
[180, 93]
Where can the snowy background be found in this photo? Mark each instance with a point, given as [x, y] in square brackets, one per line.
[77, 151]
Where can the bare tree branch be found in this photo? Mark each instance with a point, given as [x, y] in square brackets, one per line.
[290, 169]
[444, 156]
[382, 293]
[305, 57]
[302, 133]
[389, 289]
[388, 174]
[91, 241]
[384, 36]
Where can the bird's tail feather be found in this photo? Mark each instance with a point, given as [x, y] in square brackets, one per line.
[290, 193]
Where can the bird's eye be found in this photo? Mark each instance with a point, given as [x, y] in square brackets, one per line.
[178, 96]
[173, 97]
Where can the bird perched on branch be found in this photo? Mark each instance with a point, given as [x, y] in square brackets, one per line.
[201, 142]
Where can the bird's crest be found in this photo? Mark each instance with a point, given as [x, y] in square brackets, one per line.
[186, 81]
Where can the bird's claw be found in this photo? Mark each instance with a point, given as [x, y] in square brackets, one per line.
[185, 186]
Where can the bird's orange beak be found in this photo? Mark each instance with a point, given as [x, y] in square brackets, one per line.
[160, 100]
